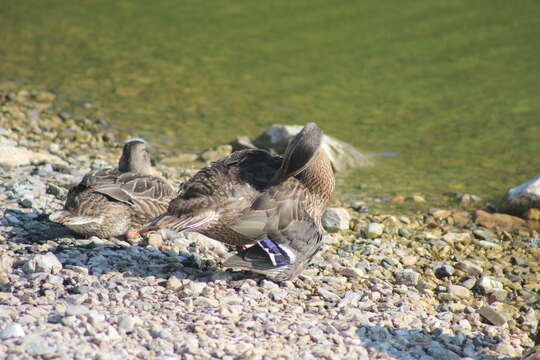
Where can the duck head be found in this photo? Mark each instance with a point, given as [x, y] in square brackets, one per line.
[301, 151]
[135, 157]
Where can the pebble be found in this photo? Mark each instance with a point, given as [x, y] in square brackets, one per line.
[336, 219]
[11, 331]
[43, 263]
[485, 284]
[469, 268]
[444, 270]
[491, 315]
[407, 277]
[409, 260]
[375, 230]
[459, 291]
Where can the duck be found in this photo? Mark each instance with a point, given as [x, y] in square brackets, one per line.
[117, 202]
[268, 206]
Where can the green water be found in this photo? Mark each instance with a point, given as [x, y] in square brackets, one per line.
[453, 87]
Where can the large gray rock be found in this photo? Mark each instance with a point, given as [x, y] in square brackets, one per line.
[522, 197]
[342, 155]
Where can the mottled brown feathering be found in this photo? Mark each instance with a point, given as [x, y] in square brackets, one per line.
[111, 202]
[251, 195]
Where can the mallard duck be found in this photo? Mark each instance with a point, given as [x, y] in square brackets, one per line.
[534, 352]
[113, 202]
[253, 198]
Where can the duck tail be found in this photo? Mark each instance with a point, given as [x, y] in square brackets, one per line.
[178, 223]
[256, 259]
[60, 216]
[300, 151]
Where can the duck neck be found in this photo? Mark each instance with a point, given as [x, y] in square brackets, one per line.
[318, 177]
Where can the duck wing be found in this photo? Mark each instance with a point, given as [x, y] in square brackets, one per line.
[285, 234]
[132, 188]
[219, 192]
[283, 254]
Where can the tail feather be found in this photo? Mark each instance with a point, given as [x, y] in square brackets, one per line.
[182, 223]
[257, 260]
[59, 216]
[81, 220]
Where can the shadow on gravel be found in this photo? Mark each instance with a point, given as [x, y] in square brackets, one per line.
[134, 261]
[100, 256]
[427, 345]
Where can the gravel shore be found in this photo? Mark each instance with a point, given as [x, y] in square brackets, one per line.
[434, 285]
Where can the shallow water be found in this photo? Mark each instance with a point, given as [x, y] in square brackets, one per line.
[453, 87]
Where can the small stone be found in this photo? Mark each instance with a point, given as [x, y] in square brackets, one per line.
[353, 273]
[279, 294]
[442, 271]
[194, 288]
[507, 350]
[328, 295]
[488, 244]
[418, 198]
[409, 260]
[74, 310]
[13, 330]
[404, 232]
[491, 315]
[155, 240]
[336, 219]
[407, 277]
[375, 230]
[454, 237]
[502, 221]
[485, 284]
[440, 214]
[43, 263]
[173, 283]
[498, 294]
[484, 234]
[55, 190]
[469, 283]
[459, 291]
[405, 219]
[330, 240]
[469, 268]
[126, 323]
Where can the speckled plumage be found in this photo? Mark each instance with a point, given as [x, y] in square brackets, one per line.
[250, 196]
[111, 202]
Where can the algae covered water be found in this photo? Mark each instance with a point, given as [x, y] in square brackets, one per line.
[451, 87]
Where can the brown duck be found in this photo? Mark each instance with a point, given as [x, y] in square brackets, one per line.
[253, 198]
[115, 202]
